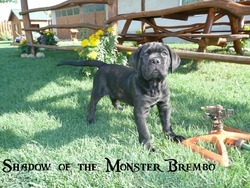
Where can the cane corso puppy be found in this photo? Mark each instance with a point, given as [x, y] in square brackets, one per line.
[143, 85]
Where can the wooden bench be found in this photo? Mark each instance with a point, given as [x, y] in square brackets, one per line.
[209, 39]
[200, 33]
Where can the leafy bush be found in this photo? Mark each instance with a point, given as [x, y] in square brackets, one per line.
[24, 48]
[246, 42]
[47, 37]
[100, 46]
[4, 37]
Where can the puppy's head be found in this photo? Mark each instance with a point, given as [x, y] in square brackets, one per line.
[153, 60]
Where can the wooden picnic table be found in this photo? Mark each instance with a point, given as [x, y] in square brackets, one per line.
[200, 33]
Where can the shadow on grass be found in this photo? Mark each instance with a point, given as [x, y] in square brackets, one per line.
[74, 124]
[24, 77]
[9, 140]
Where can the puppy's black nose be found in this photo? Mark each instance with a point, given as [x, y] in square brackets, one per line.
[155, 61]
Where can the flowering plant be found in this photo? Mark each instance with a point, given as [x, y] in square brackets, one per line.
[246, 42]
[47, 37]
[24, 48]
[100, 46]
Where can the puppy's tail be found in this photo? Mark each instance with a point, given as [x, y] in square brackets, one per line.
[88, 63]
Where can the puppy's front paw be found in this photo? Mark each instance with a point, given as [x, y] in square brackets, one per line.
[90, 119]
[148, 146]
[178, 138]
[174, 137]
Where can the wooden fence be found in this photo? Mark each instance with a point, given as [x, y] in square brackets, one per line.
[112, 11]
[5, 28]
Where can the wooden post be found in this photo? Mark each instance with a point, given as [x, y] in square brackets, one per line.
[113, 11]
[26, 24]
[143, 8]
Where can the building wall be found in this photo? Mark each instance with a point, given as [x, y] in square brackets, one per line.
[6, 28]
[100, 17]
[97, 18]
[16, 27]
[65, 33]
[92, 17]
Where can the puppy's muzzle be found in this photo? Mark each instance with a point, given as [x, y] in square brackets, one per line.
[155, 61]
[156, 74]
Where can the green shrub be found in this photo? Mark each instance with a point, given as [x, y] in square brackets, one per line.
[48, 37]
[100, 46]
[4, 37]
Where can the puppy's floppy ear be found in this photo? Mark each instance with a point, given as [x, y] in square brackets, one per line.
[174, 58]
[135, 58]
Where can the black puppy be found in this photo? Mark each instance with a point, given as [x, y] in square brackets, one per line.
[142, 86]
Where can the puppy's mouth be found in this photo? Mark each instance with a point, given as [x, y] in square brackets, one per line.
[156, 75]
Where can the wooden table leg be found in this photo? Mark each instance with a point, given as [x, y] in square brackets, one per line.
[234, 22]
[124, 31]
[207, 29]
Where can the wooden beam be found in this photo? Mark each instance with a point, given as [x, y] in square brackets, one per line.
[63, 26]
[201, 56]
[214, 57]
[183, 54]
[68, 48]
[67, 4]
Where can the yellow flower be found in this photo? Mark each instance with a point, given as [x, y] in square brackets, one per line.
[46, 32]
[129, 53]
[92, 55]
[85, 43]
[94, 37]
[81, 52]
[110, 30]
[247, 28]
[99, 32]
[23, 41]
[94, 40]
[138, 31]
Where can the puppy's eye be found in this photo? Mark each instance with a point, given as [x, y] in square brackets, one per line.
[164, 53]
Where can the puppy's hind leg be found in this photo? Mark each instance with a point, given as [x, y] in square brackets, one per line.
[116, 104]
[96, 95]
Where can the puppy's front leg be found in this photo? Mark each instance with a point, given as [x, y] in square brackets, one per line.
[140, 114]
[164, 111]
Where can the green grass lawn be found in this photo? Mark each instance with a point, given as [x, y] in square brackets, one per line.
[43, 120]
